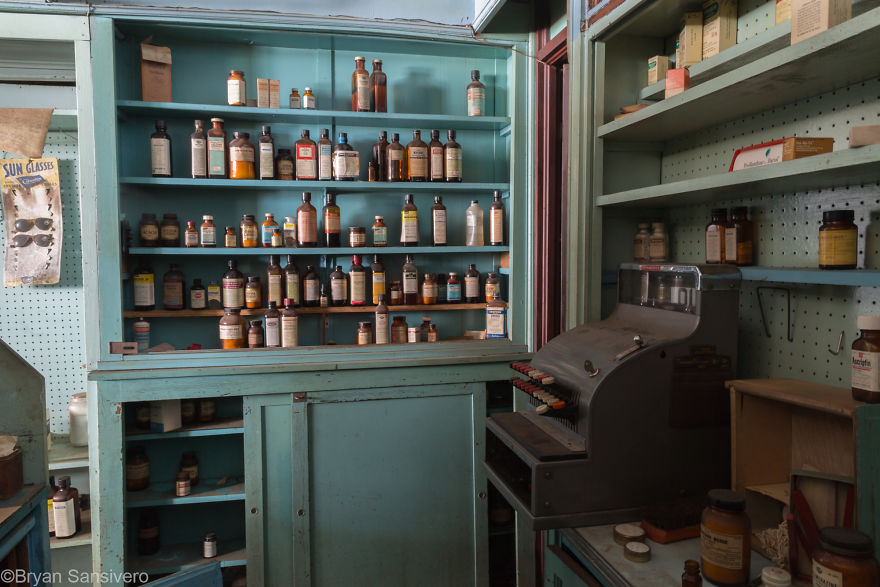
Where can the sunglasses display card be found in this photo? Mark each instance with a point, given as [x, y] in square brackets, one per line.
[32, 220]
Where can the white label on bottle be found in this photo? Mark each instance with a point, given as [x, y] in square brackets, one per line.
[230, 331]
[235, 92]
[453, 162]
[292, 287]
[244, 154]
[409, 226]
[381, 328]
[233, 296]
[337, 289]
[197, 299]
[439, 223]
[311, 288]
[190, 238]
[296, 102]
[358, 287]
[730, 245]
[144, 290]
[363, 92]
[721, 550]
[267, 161]
[306, 163]
[52, 512]
[160, 150]
[380, 236]
[471, 287]
[347, 165]
[65, 518]
[429, 290]
[275, 288]
[308, 101]
[496, 225]
[325, 162]
[395, 155]
[496, 322]
[714, 247]
[273, 332]
[289, 331]
[308, 226]
[825, 577]
[410, 282]
[199, 156]
[418, 161]
[436, 162]
[657, 249]
[216, 155]
[209, 235]
[476, 101]
[866, 371]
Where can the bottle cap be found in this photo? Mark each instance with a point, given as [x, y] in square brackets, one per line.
[269, 214]
[207, 217]
[272, 304]
[624, 533]
[293, 90]
[379, 217]
[288, 302]
[377, 61]
[210, 536]
[307, 196]
[450, 134]
[220, 120]
[727, 500]
[845, 541]
[160, 124]
[304, 133]
[395, 137]
[838, 216]
[868, 322]
[267, 129]
[365, 324]
[253, 279]
[475, 74]
[359, 58]
[438, 199]
[231, 263]
[474, 202]
[308, 89]
[242, 135]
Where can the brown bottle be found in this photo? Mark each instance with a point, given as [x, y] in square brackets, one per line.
[191, 235]
[332, 221]
[172, 289]
[148, 230]
[377, 272]
[291, 282]
[169, 231]
[148, 532]
[739, 240]
[691, 576]
[409, 223]
[275, 281]
[284, 166]
[410, 282]
[378, 88]
[396, 157]
[311, 287]
[253, 293]
[452, 158]
[306, 158]
[306, 223]
[325, 156]
[496, 220]
[360, 87]
[241, 157]
[160, 151]
[338, 287]
[435, 157]
[217, 150]
[53, 489]
[233, 287]
[65, 506]
[255, 334]
[273, 326]
[476, 95]
[472, 284]
[198, 151]
[417, 158]
[380, 156]
[266, 147]
[715, 236]
[438, 222]
[357, 277]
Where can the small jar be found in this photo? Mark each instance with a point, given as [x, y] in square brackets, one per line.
[289, 231]
[236, 89]
[209, 545]
[208, 232]
[231, 329]
[295, 100]
[866, 361]
[838, 240]
[78, 410]
[241, 157]
[725, 532]
[182, 486]
[230, 239]
[308, 100]
[453, 289]
[253, 293]
[691, 576]
[640, 243]
[189, 464]
[380, 232]
[412, 334]
[432, 333]
[148, 231]
[137, 469]
[207, 410]
[398, 330]
[493, 286]
[187, 411]
[169, 231]
[255, 334]
[775, 577]
[250, 233]
[429, 288]
[424, 328]
[190, 235]
[715, 239]
[268, 228]
[844, 557]
[277, 238]
[365, 333]
[284, 165]
[395, 293]
[357, 236]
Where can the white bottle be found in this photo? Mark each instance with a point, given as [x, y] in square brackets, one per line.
[474, 228]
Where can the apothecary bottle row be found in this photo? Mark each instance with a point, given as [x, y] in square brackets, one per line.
[302, 228]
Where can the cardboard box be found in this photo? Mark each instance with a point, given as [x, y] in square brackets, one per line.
[677, 81]
[155, 73]
[274, 93]
[165, 415]
[811, 17]
[719, 26]
[690, 39]
[859, 136]
[657, 66]
[783, 10]
[778, 151]
[262, 92]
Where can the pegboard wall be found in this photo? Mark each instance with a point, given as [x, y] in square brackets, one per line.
[44, 323]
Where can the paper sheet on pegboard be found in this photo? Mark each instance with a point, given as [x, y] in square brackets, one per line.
[32, 214]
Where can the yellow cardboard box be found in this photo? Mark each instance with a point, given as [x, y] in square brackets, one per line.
[690, 39]
[719, 26]
[811, 17]
[657, 66]
[783, 10]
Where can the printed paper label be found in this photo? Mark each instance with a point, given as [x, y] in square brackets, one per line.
[714, 247]
[476, 101]
[306, 162]
[65, 518]
[230, 331]
[378, 286]
[471, 287]
[289, 331]
[292, 287]
[311, 290]
[209, 235]
[363, 92]
[409, 232]
[381, 328]
[273, 332]
[418, 161]
[275, 286]
[496, 225]
[325, 162]
[358, 287]
[241, 154]
[825, 577]
[453, 163]
[866, 370]
[144, 290]
[722, 550]
[160, 150]
[198, 153]
[217, 156]
[496, 323]
[235, 92]
[410, 282]
[308, 226]
[267, 161]
[337, 289]
[436, 162]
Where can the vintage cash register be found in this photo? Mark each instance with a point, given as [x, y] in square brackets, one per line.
[627, 412]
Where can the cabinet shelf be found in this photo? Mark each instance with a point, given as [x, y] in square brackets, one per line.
[63, 455]
[158, 494]
[310, 310]
[216, 428]
[336, 187]
[821, 64]
[807, 275]
[338, 251]
[83, 538]
[170, 110]
[847, 167]
[177, 557]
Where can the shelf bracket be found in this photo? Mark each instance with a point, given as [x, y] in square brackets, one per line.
[787, 291]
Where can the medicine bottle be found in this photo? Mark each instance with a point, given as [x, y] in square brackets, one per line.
[360, 87]
[208, 232]
[307, 222]
[230, 238]
[739, 239]
[253, 293]
[182, 486]
[169, 231]
[273, 326]
[311, 287]
[725, 532]
[190, 235]
[241, 157]
[268, 229]
[365, 333]
[295, 99]
[409, 223]
[691, 576]
[187, 411]
[292, 281]
[657, 243]
[378, 88]
[395, 293]
[438, 222]
[429, 288]
[209, 545]
[189, 463]
[424, 328]
[338, 287]
[866, 361]
[277, 238]
[844, 557]
[217, 150]
[308, 100]
[838, 240]
[208, 407]
[377, 281]
[357, 236]
[289, 325]
[306, 156]
[137, 469]
[380, 233]
[382, 330]
[476, 95]
[255, 334]
[472, 284]
[492, 286]
[398, 330]
[357, 278]
[267, 153]
[160, 151]
[144, 287]
[453, 289]
[236, 88]
[432, 333]
[289, 231]
[640, 243]
[65, 507]
[715, 238]
[496, 318]
[284, 165]
[198, 299]
[148, 532]
[148, 230]
[410, 281]
[172, 289]
[231, 329]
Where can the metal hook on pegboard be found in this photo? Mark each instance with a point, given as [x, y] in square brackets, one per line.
[839, 342]
[787, 291]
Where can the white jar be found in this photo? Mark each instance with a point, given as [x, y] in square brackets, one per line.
[78, 410]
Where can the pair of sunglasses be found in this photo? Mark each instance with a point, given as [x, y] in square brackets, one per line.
[25, 224]
[23, 240]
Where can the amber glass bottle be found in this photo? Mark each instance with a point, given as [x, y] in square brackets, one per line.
[409, 223]
[292, 282]
[360, 87]
[435, 157]
[253, 292]
[395, 155]
[307, 223]
[338, 287]
[311, 287]
[691, 576]
[332, 221]
[198, 151]
[715, 236]
[208, 232]
[410, 281]
[357, 278]
[217, 150]
[438, 222]
[845, 557]
[417, 158]
[377, 272]
[476, 96]
[739, 237]
[250, 232]
[725, 531]
[241, 157]
[496, 220]
[306, 158]
[160, 151]
[284, 168]
[380, 156]
[452, 157]
[378, 88]
[267, 153]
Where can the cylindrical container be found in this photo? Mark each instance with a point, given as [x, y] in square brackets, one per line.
[142, 334]
[866, 361]
[187, 411]
[845, 557]
[209, 545]
[78, 409]
[412, 334]
[775, 577]
[236, 94]
[365, 333]
[189, 464]
[640, 243]
[207, 410]
[838, 240]
[725, 531]
[357, 236]
[182, 486]
[148, 532]
[137, 469]
[398, 330]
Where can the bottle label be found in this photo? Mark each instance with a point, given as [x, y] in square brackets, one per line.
[439, 223]
[436, 162]
[657, 248]
[729, 245]
[292, 287]
[453, 292]
[380, 236]
[496, 225]
[241, 154]
[170, 232]
[378, 286]
[65, 518]
[838, 247]
[866, 370]
[252, 296]
[285, 169]
[412, 334]
[267, 161]
[476, 101]
[364, 336]
[410, 282]
[197, 299]
[409, 232]
[395, 154]
[396, 296]
[198, 157]
[255, 339]
[144, 289]
[217, 155]
[453, 163]
[160, 150]
[52, 514]
[275, 286]
[228, 332]
[230, 240]
[233, 297]
[209, 235]
[308, 101]
[311, 288]
[418, 161]
[714, 247]
[289, 232]
[289, 331]
[721, 550]
[190, 238]
[429, 290]
[267, 232]
[337, 289]
[331, 221]
[308, 226]
[249, 234]
[306, 162]
[235, 92]
[183, 488]
[381, 328]
[325, 162]
[296, 102]
[640, 248]
[825, 577]
[149, 232]
[358, 287]
[496, 322]
[346, 165]
[273, 332]
[215, 295]
[357, 239]
[277, 238]
[363, 92]
[471, 287]
[491, 290]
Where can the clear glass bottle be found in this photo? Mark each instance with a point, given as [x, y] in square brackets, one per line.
[346, 161]
[217, 150]
[715, 236]
[417, 158]
[476, 95]
[338, 287]
[641, 242]
[378, 88]
[380, 233]
[438, 222]
[292, 282]
[308, 100]
[474, 225]
[360, 87]
[325, 156]
[377, 281]
[452, 158]
[357, 278]
[160, 151]
[332, 222]
[496, 220]
[380, 156]
[311, 287]
[435, 157]
[409, 223]
[396, 157]
[267, 153]
[173, 288]
[410, 282]
[241, 157]
[295, 100]
[198, 151]
[472, 285]
[306, 158]
[307, 222]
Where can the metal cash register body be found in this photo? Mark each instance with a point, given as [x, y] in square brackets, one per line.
[627, 412]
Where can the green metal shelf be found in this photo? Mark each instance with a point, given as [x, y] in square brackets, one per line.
[83, 538]
[821, 64]
[847, 167]
[158, 494]
[338, 187]
[177, 557]
[63, 455]
[318, 117]
[854, 278]
[64, 119]
[344, 251]
[217, 428]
